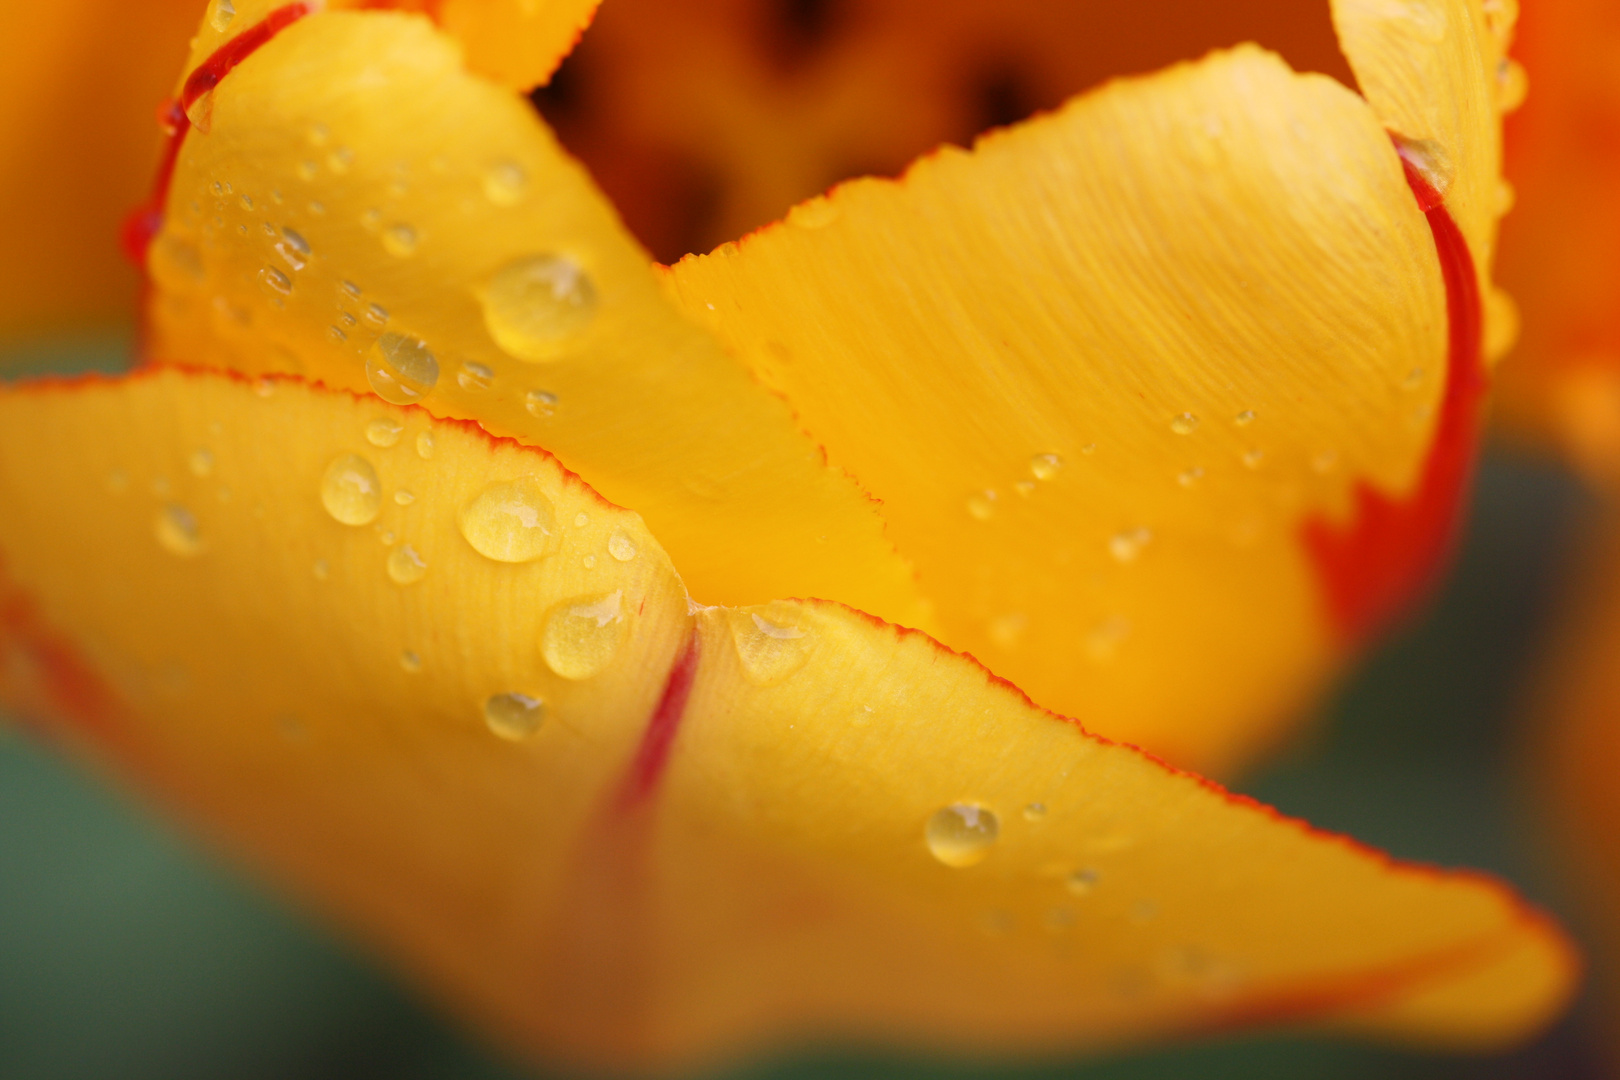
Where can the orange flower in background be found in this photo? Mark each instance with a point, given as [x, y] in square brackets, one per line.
[464, 611]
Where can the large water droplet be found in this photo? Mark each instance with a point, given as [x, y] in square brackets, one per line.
[535, 307]
[771, 645]
[962, 834]
[505, 183]
[406, 565]
[401, 369]
[177, 531]
[581, 636]
[511, 522]
[384, 431]
[620, 546]
[350, 490]
[514, 716]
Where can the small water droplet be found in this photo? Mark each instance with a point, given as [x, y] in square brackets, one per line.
[962, 834]
[474, 377]
[406, 565]
[307, 169]
[201, 463]
[1081, 882]
[1189, 477]
[1025, 488]
[1035, 811]
[336, 335]
[505, 183]
[535, 307]
[1089, 448]
[581, 636]
[399, 240]
[322, 570]
[511, 522]
[1512, 85]
[540, 403]
[1125, 546]
[581, 520]
[371, 219]
[410, 662]
[1045, 466]
[1244, 418]
[384, 431]
[1252, 458]
[401, 369]
[177, 532]
[403, 497]
[220, 18]
[293, 249]
[981, 505]
[386, 535]
[424, 445]
[340, 159]
[1184, 423]
[247, 204]
[772, 645]
[514, 716]
[274, 282]
[375, 315]
[620, 546]
[350, 490]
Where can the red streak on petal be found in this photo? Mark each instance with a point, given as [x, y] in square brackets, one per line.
[1387, 554]
[653, 754]
[143, 223]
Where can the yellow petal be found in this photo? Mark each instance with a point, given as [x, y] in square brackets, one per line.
[787, 821]
[357, 193]
[1102, 371]
[1436, 73]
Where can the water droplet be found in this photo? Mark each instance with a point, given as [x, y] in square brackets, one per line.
[336, 335]
[1253, 458]
[406, 565]
[1089, 448]
[474, 377]
[1188, 477]
[340, 159]
[322, 570]
[424, 445]
[384, 431]
[201, 463]
[514, 716]
[1244, 418]
[274, 282]
[1045, 466]
[1125, 546]
[620, 546]
[401, 369]
[350, 490]
[410, 662]
[399, 240]
[350, 289]
[375, 315]
[220, 18]
[403, 497]
[1512, 85]
[371, 219]
[771, 646]
[505, 183]
[581, 636]
[1026, 488]
[962, 834]
[511, 522]
[176, 529]
[1081, 882]
[540, 403]
[307, 170]
[386, 535]
[535, 307]
[1035, 811]
[981, 505]
[1184, 423]
[247, 204]
[293, 249]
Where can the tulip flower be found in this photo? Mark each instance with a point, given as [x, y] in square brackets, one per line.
[598, 640]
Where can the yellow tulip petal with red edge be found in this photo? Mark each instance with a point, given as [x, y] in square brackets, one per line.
[78, 82]
[1102, 370]
[358, 193]
[706, 829]
[1437, 74]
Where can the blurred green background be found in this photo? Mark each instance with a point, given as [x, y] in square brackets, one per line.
[126, 952]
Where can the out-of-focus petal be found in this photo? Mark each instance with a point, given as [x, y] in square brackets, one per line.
[619, 831]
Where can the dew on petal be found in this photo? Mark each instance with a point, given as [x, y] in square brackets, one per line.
[410, 662]
[514, 716]
[1045, 466]
[424, 445]
[293, 249]
[1081, 882]
[620, 546]
[770, 649]
[537, 306]
[222, 14]
[406, 565]
[384, 431]
[201, 463]
[1035, 811]
[511, 522]
[581, 636]
[177, 532]
[1244, 418]
[962, 834]
[399, 240]
[403, 497]
[505, 183]
[540, 403]
[981, 505]
[274, 282]
[1184, 423]
[474, 377]
[401, 369]
[350, 490]
[1125, 546]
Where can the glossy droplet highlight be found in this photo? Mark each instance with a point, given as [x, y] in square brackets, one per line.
[581, 636]
[410, 662]
[540, 403]
[1127, 545]
[620, 546]
[1081, 882]
[536, 307]
[403, 497]
[401, 369]
[399, 240]
[514, 716]
[962, 834]
[384, 431]
[1035, 811]
[981, 505]
[406, 565]
[1045, 466]
[1189, 477]
[1184, 423]
[201, 463]
[220, 18]
[424, 445]
[505, 182]
[474, 377]
[770, 644]
[274, 282]
[1244, 418]
[293, 249]
[350, 490]
[177, 532]
[511, 522]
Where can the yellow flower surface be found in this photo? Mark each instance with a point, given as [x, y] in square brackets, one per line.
[562, 623]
